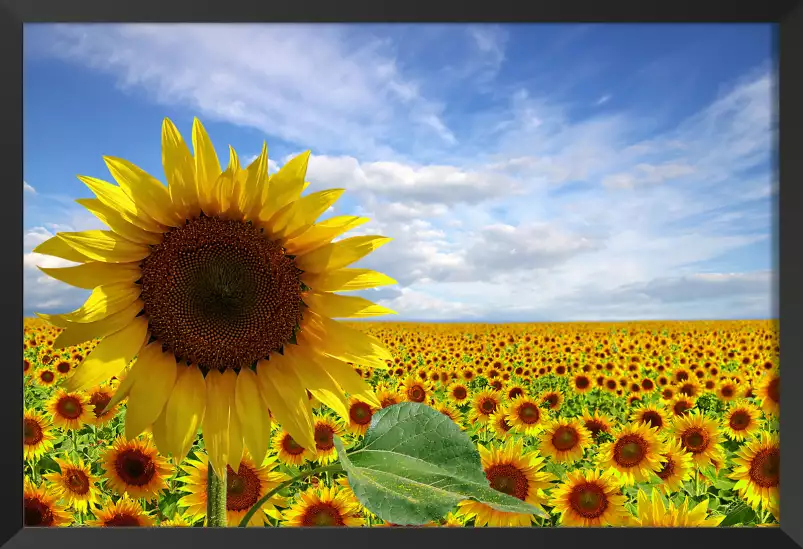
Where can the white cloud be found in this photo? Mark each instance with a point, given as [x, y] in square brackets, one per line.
[28, 187]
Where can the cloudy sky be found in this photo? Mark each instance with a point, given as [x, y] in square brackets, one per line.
[525, 172]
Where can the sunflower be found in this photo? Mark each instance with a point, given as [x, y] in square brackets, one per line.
[386, 395]
[63, 367]
[701, 437]
[564, 440]
[681, 405]
[134, 467]
[414, 390]
[635, 453]
[553, 399]
[99, 398]
[324, 506]
[449, 410]
[727, 390]
[325, 431]
[511, 470]
[581, 383]
[741, 421]
[525, 416]
[178, 521]
[515, 390]
[677, 467]
[37, 434]
[769, 392]
[652, 414]
[758, 472]
[69, 410]
[249, 305]
[244, 487]
[41, 507]
[46, 377]
[589, 498]
[483, 405]
[500, 426]
[652, 512]
[458, 392]
[75, 484]
[597, 423]
[360, 414]
[124, 512]
[288, 450]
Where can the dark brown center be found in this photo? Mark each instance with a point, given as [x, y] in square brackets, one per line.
[588, 500]
[565, 438]
[37, 513]
[629, 450]
[31, 432]
[135, 467]
[508, 479]
[242, 488]
[739, 420]
[360, 413]
[765, 468]
[322, 514]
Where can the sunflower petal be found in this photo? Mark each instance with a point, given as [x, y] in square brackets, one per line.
[255, 184]
[298, 216]
[342, 306]
[216, 421]
[322, 233]
[347, 344]
[156, 376]
[254, 417]
[285, 186]
[105, 246]
[346, 377]
[117, 224]
[159, 432]
[104, 301]
[343, 280]
[337, 255]
[114, 197]
[111, 355]
[144, 190]
[288, 399]
[207, 165]
[234, 432]
[79, 332]
[57, 247]
[317, 381]
[179, 168]
[95, 273]
[185, 410]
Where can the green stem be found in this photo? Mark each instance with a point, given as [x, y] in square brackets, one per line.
[336, 468]
[215, 498]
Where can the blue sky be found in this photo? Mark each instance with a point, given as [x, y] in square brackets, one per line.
[535, 172]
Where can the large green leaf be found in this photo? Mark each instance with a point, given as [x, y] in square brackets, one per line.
[416, 465]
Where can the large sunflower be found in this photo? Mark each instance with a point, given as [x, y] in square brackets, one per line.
[125, 512]
[653, 512]
[742, 420]
[517, 473]
[769, 391]
[653, 414]
[758, 472]
[589, 498]
[133, 467]
[484, 405]
[70, 410]
[41, 507]
[324, 506]
[244, 323]
[701, 436]
[635, 453]
[37, 434]
[564, 440]
[524, 415]
[244, 487]
[676, 469]
[75, 484]
[597, 423]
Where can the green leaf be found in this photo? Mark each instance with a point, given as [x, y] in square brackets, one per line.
[740, 515]
[416, 465]
[724, 485]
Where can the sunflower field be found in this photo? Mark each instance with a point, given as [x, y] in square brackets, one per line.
[629, 424]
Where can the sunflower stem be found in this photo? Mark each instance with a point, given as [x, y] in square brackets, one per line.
[336, 468]
[215, 498]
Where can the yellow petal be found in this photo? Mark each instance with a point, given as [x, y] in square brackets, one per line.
[255, 183]
[341, 342]
[185, 410]
[346, 377]
[207, 166]
[298, 216]
[216, 421]
[342, 280]
[222, 199]
[285, 186]
[111, 355]
[104, 301]
[117, 224]
[234, 453]
[79, 332]
[114, 197]
[145, 191]
[179, 168]
[342, 306]
[288, 399]
[159, 431]
[95, 273]
[317, 381]
[337, 255]
[254, 416]
[322, 233]
[105, 246]
[57, 247]
[156, 376]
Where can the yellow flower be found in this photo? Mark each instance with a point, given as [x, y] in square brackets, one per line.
[75, 484]
[653, 512]
[41, 507]
[125, 512]
[37, 434]
[701, 437]
[564, 440]
[742, 420]
[324, 506]
[589, 498]
[635, 453]
[134, 468]
[758, 472]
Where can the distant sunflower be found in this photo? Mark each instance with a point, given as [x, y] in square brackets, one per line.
[125, 512]
[484, 405]
[581, 383]
[589, 498]
[682, 405]
[449, 410]
[524, 416]
[134, 467]
[360, 414]
[499, 423]
[458, 393]
[701, 436]
[75, 484]
[325, 431]
[249, 307]
[515, 472]
[676, 469]
[741, 421]
[62, 367]
[769, 391]
[244, 488]
[564, 440]
[99, 398]
[758, 472]
[653, 512]
[652, 414]
[515, 390]
[178, 521]
[553, 399]
[41, 508]
[37, 434]
[69, 410]
[46, 377]
[727, 390]
[288, 450]
[324, 506]
[635, 453]
[597, 423]
[415, 390]
[386, 395]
